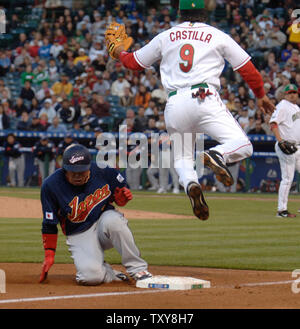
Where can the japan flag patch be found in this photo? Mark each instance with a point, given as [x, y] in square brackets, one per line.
[49, 215]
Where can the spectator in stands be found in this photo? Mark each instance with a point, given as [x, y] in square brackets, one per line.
[62, 87]
[243, 118]
[41, 74]
[142, 97]
[53, 71]
[35, 124]
[160, 93]
[27, 92]
[100, 107]
[48, 109]
[257, 130]
[278, 39]
[4, 91]
[99, 63]
[293, 33]
[67, 113]
[44, 50]
[127, 99]
[16, 160]
[44, 92]
[130, 116]
[56, 126]
[20, 107]
[117, 87]
[24, 122]
[4, 119]
[96, 50]
[56, 48]
[141, 121]
[82, 59]
[27, 75]
[5, 63]
[89, 121]
[101, 86]
[44, 121]
[58, 35]
[44, 151]
[286, 53]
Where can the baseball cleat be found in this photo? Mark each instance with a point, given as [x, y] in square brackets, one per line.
[200, 207]
[121, 276]
[142, 275]
[285, 214]
[216, 163]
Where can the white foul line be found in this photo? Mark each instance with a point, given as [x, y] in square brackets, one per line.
[38, 299]
[104, 294]
[265, 283]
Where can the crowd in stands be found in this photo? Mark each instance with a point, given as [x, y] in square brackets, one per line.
[59, 77]
[56, 76]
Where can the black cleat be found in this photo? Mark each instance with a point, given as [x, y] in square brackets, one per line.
[285, 214]
[200, 208]
[215, 162]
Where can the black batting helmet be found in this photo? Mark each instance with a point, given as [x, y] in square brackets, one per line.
[76, 158]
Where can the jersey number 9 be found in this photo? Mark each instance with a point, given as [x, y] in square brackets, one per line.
[187, 55]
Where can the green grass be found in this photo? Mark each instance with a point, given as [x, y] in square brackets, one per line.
[240, 234]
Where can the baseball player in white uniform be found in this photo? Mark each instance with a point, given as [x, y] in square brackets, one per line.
[192, 56]
[285, 124]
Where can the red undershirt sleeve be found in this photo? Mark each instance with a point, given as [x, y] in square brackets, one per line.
[129, 61]
[253, 78]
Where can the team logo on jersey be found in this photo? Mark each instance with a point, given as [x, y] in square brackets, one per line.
[296, 116]
[81, 211]
[76, 159]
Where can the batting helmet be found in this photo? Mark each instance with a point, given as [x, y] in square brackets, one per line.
[76, 158]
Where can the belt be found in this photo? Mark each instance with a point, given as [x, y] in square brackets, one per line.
[199, 85]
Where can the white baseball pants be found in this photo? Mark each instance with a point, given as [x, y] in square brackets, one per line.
[288, 164]
[186, 116]
[87, 249]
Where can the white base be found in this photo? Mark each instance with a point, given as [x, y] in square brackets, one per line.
[173, 283]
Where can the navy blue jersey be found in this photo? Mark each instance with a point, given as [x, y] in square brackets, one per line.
[76, 208]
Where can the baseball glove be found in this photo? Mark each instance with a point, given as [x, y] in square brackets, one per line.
[115, 36]
[287, 147]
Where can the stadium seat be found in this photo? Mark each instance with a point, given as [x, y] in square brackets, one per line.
[113, 99]
[106, 123]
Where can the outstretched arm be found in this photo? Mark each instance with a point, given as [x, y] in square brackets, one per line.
[253, 78]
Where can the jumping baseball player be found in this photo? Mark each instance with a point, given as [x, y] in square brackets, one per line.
[285, 124]
[192, 56]
[79, 197]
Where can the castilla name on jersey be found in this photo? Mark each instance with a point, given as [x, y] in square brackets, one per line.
[190, 35]
[81, 211]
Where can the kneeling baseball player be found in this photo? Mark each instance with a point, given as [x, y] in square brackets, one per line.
[79, 196]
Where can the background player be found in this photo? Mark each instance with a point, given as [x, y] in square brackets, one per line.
[192, 56]
[79, 196]
[16, 160]
[285, 124]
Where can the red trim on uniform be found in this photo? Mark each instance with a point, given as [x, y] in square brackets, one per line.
[273, 125]
[253, 78]
[129, 61]
[49, 241]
